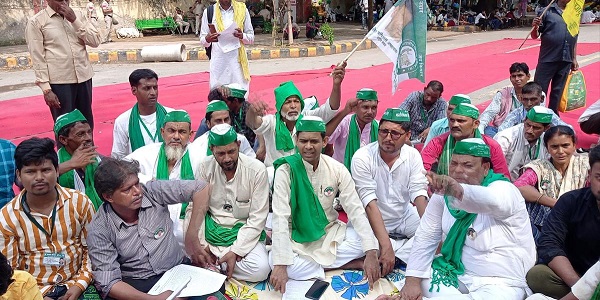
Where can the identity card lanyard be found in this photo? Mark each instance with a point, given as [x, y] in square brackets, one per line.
[27, 211]
[153, 137]
[538, 151]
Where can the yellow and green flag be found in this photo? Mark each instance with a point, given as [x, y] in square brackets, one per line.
[572, 15]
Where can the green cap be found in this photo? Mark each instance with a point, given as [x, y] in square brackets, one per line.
[459, 98]
[310, 124]
[366, 94]
[540, 114]
[472, 146]
[467, 110]
[68, 118]
[396, 115]
[221, 135]
[216, 105]
[285, 90]
[236, 90]
[177, 116]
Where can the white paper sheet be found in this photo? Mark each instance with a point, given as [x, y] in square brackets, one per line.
[296, 289]
[227, 41]
[203, 282]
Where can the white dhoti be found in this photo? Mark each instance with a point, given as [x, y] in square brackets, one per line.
[254, 267]
[476, 288]
[408, 227]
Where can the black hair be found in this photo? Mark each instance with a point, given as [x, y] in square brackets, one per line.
[436, 86]
[404, 125]
[35, 151]
[532, 88]
[139, 74]
[519, 67]
[215, 94]
[557, 131]
[65, 131]
[112, 173]
[323, 135]
[594, 155]
[6, 273]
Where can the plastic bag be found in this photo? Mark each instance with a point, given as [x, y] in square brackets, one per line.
[573, 96]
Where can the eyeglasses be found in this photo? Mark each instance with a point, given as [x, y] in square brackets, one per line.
[394, 134]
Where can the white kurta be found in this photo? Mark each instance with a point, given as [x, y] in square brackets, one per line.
[393, 188]
[147, 156]
[267, 129]
[501, 250]
[225, 68]
[201, 145]
[329, 178]
[121, 143]
[517, 149]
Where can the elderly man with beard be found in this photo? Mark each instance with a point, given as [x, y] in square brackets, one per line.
[524, 142]
[239, 203]
[463, 124]
[482, 222]
[77, 158]
[170, 160]
[217, 112]
[390, 182]
[348, 133]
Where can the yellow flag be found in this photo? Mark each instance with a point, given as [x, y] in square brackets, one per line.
[572, 15]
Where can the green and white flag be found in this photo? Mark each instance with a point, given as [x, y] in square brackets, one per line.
[402, 35]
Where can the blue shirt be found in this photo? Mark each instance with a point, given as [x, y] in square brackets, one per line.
[7, 171]
[438, 127]
[518, 116]
[421, 119]
[557, 43]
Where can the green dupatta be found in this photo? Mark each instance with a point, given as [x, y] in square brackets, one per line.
[353, 142]
[186, 173]
[68, 180]
[218, 235]
[135, 130]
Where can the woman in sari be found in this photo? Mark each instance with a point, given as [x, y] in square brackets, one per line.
[544, 181]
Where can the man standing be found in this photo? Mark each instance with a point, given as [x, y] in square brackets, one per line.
[44, 227]
[463, 124]
[7, 171]
[389, 181]
[77, 157]
[558, 52]
[91, 12]
[347, 133]
[228, 65]
[364, 8]
[317, 239]
[141, 124]
[239, 204]
[171, 160]
[217, 112]
[107, 11]
[57, 37]
[481, 220]
[131, 240]
[198, 11]
[441, 126]
[424, 108]
[523, 143]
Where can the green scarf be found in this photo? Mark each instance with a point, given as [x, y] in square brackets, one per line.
[68, 180]
[135, 131]
[218, 235]
[283, 137]
[447, 267]
[596, 295]
[353, 142]
[162, 172]
[444, 160]
[308, 217]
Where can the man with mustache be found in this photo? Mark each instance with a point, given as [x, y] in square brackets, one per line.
[523, 143]
[171, 160]
[441, 126]
[232, 230]
[389, 179]
[463, 124]
[140, 125]
[424, 108]
[77, 157]
[532, 96]
[43, 229]
[347, 133]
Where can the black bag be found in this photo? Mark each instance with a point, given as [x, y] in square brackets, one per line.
[209, 17]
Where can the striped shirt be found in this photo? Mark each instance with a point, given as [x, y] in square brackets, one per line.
[7, 171]
[421, 119]
[24, 244]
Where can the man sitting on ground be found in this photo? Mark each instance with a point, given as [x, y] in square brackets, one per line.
[131, 239]
[389, 180]
[44, 227]
[441, 126]
[239, 204]
[295, 30]
[424, 108]
[317, 240]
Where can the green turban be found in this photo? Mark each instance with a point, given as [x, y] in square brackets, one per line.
[472, 146]
[284, 91]
[221, 135]
[366, 94]
[236, 91]
[396, 115]
[67, 119]
[310, 124]
[216, 105]
[459, 98]
[177, 116]
[540, 114]
[467, 110]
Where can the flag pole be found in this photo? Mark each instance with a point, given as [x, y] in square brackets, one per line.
[531, 31]
[351, 53]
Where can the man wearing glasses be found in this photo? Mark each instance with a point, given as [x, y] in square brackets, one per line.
[389, 178]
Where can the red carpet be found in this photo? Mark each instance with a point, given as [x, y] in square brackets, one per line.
[461, 70]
